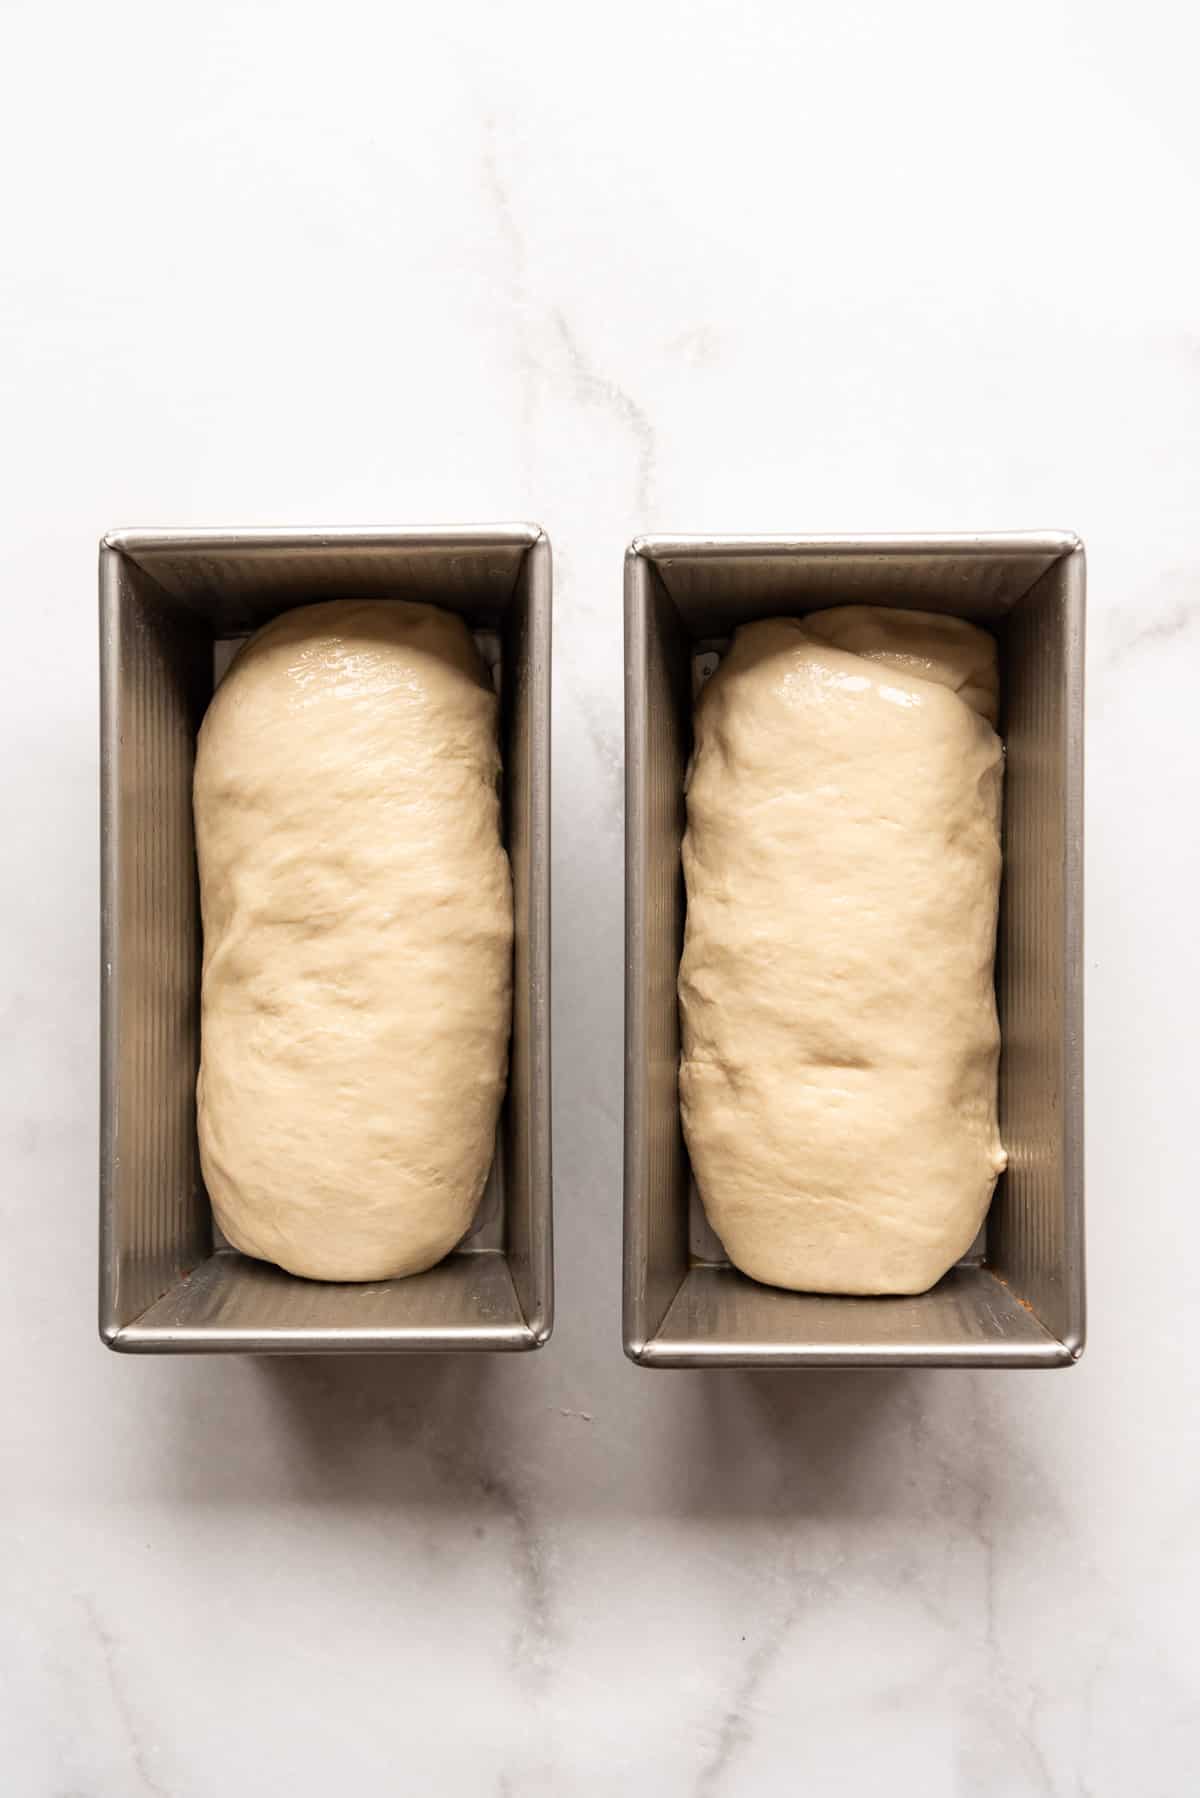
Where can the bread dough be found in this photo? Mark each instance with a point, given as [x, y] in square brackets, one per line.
[357, 910]
[842, 860]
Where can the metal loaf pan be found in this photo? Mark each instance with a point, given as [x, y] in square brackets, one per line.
[167, 599]
[1018, 1301]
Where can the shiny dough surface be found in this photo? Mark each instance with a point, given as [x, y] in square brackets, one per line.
[842, 863]
[357, 910]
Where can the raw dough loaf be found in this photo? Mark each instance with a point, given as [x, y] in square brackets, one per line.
[357, 910]
[842, 861]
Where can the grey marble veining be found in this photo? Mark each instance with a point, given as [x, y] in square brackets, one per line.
[755, 268]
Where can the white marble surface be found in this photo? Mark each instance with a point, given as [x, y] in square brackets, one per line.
[634, 266]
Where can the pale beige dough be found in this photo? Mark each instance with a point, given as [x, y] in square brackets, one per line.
[357, 910]
[842, 861]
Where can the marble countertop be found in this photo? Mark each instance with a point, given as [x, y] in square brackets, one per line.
[706, 267]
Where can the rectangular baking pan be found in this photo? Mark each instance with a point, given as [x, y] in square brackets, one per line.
[168, 599]
[1018, 1299]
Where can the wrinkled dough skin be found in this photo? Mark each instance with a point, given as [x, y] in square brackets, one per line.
[842, 862]
[357, 911]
